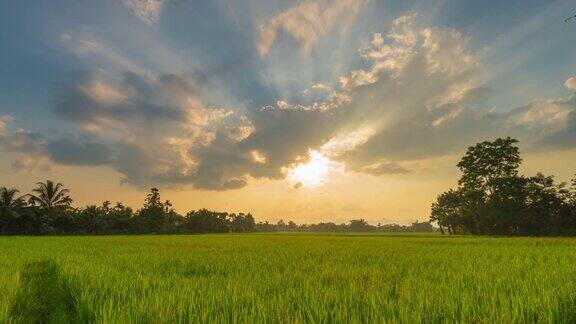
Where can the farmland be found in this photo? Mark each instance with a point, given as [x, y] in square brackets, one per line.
[287, 278]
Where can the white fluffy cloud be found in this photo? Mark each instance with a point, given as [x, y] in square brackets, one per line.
[571, 83]
[307, 22]
[147, 10]
[420, 96]
[4, 120]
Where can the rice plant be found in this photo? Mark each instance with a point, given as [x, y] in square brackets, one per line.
[287, 278]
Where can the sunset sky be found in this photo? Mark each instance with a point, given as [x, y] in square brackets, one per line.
[305, 110]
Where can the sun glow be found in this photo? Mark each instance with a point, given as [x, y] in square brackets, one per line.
[313, 173]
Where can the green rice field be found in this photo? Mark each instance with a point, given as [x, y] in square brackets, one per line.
[287, 278]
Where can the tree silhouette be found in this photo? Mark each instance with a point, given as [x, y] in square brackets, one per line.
[447, 209]
[360, 225]
[52, 200]
[493, 199]
[9, 202]
[486, 161]
[8, 198]
[49, 195]
[156, 216]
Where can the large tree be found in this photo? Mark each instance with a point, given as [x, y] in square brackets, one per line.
[491, 191]
[493, 198]
[487, 161]
[157, 216]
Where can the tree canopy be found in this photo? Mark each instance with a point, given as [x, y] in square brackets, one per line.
[492, 198]
[48, 210]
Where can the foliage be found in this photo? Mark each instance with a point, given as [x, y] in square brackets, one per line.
[156, 216]
[296, 278]
[361, 225]
[493, 199]
[9, 205]
[48, 195]
[205, 221]
[486, 161]
[49, 211]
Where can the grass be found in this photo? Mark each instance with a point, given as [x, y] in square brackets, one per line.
[287, 278]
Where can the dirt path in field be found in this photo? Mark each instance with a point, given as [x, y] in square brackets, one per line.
[44, 295]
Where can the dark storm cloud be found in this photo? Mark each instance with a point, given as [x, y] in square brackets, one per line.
[132, 98]
[33, 150]
[74, 152]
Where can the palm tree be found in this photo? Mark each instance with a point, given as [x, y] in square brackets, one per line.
[8, 204]
[48, 195]
[8, 197]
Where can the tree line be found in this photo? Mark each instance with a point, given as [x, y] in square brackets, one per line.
[48, 210]
[493, 199]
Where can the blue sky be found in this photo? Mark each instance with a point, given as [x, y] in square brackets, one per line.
[218, 95]
[211, 36]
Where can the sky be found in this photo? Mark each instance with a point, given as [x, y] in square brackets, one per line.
[313, 110]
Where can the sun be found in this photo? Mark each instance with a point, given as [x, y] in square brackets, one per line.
[313, 173]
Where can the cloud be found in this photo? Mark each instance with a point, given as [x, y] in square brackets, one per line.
[4, 120]
[564, 138]
[159, 131]
[103, 54]
[15, 139]
[420, 97]
[147, 10]
[36, 151]
[28, 163]
[551, 124]
[571, 83]
[156, 128]
[26, 147]
[382, 168]
[417, 95]
[76, 152]
[307, 22]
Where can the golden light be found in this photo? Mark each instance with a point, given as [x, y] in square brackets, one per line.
[313, 173]
[258, 157]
